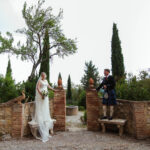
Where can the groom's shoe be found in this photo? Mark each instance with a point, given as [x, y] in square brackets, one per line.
[104, 117]
[110, 118]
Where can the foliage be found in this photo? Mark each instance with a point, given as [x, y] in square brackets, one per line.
[78, 96]
[37, 20]
[8, 89]
[69, 91]
[45, 66]
[90, 71]
[51, 94]
[30, 88]
[9, 70]
[133, 89]
[81, 108]
[143, 75]
[76, 90]
[82, 99]
[117, 60]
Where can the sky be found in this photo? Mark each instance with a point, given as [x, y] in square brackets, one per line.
[90, 21]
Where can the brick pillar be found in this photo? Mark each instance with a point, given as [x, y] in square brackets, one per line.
[59, 108]
[17, 120]
[140, 120]
[92, 107]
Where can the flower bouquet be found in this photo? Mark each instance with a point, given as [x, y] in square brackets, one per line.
[44, 94]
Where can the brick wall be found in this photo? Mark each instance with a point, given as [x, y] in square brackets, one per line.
[11, 119]
[5, 119]
[14, 118]
[137, 114]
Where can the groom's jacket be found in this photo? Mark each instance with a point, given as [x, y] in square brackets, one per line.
[109, 82]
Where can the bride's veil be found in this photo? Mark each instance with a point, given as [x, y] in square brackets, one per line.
[41, 116]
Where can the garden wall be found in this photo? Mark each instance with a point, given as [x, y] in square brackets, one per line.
[14, 117]
[137, 114]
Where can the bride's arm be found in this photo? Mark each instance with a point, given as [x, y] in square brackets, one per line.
[38, 88]
[51, 88]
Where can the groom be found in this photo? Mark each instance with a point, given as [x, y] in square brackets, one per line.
[109, 98]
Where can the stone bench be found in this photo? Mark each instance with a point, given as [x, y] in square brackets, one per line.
[34, 129]
[119, 122]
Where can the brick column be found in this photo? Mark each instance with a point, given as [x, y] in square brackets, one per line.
[92, 107]
[140, 120]
[17, 120]
[59, 108]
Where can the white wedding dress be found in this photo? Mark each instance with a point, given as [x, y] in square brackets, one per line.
[42, 113]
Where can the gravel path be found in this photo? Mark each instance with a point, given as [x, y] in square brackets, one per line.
[74, 123]
[77, 138]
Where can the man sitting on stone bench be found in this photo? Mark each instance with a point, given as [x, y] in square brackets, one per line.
[109, 97]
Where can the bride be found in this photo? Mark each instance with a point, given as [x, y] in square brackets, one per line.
[42, 111]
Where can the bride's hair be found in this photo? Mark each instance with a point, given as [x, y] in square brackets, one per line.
[44, 74]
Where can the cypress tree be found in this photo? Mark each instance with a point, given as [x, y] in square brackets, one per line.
[59, 76]
[8, 89]
[9, 70]
[90, 72]
[45, 67]
[69, 92]
[117, 60]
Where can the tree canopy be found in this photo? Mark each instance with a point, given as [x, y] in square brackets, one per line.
[117, 61]
[69, 91]
[37, 20]
[9, 70]
[45, 66]
[90, 71]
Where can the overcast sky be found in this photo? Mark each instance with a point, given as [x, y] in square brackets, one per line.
[90, 21]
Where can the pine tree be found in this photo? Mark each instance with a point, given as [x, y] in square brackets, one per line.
[69, 92]
[9, 70]
[90, 72]
[59, 76]
[117, 60]
[45, 67]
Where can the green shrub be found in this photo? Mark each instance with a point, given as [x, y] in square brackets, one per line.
[133, 89]
[81, 108]
[8, 89]
[82, 99]
[51, 94]
[30, 88]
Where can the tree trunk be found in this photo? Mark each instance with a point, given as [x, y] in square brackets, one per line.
[32, 75]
